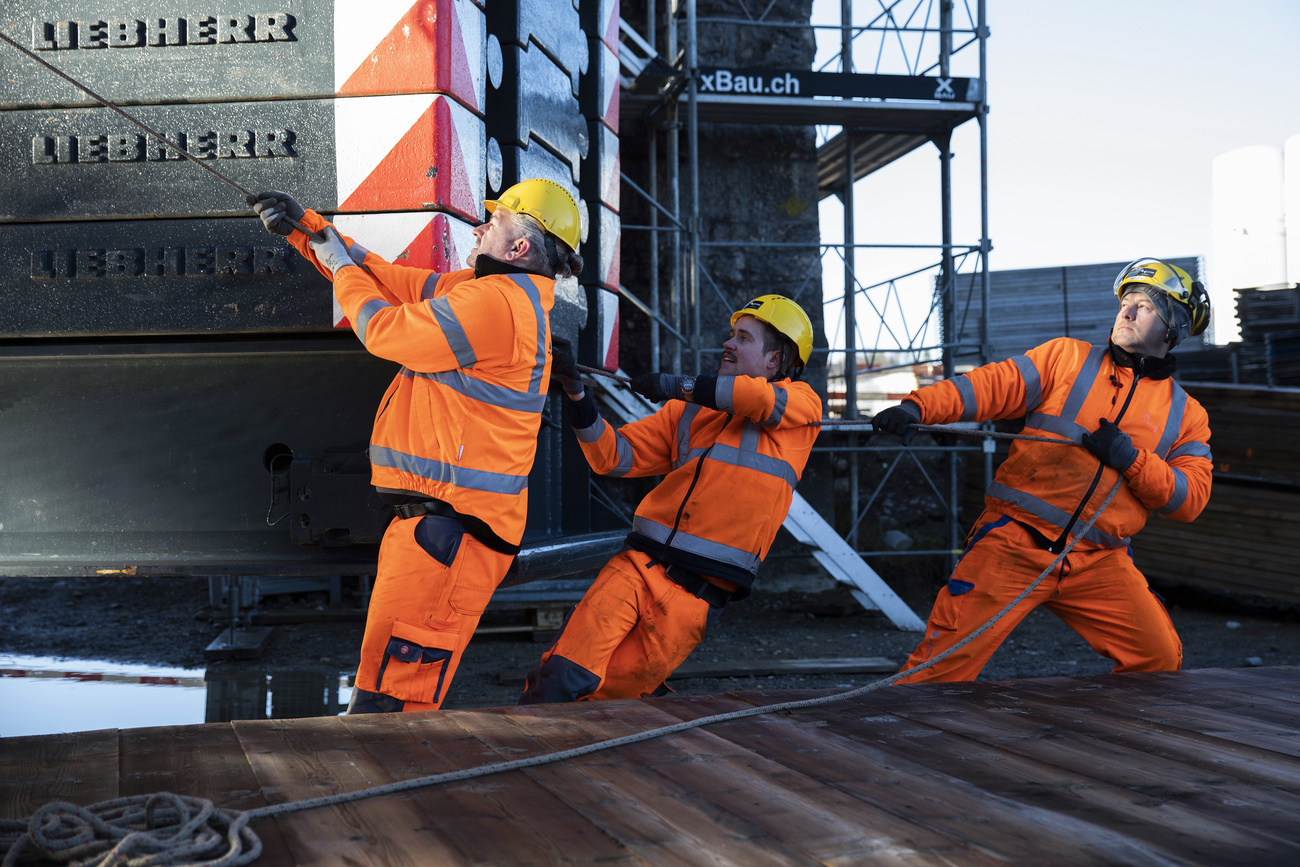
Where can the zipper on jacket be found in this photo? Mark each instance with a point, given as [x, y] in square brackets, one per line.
[1059, 545]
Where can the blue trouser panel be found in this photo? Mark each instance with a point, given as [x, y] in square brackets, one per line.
[558, 679]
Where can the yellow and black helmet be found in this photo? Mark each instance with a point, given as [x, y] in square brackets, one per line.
[548, 203]
[786, 317]
[1182, 302]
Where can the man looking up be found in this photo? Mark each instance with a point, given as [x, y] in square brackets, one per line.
[1135, 424]
[731, 448]
[455, 434]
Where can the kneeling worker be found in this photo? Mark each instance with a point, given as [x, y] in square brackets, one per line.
[731, 448]
[1135, 424]
[456, 432]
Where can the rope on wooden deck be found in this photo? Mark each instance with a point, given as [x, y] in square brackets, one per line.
[169, 830]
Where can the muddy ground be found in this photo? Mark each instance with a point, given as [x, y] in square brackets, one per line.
[170, 622]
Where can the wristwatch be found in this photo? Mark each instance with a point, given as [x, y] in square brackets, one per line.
[688, 388]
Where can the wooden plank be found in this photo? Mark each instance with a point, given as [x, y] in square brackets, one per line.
[651, 817]
[1065, 738]
[1000, 826]
[757, 668]
[78, 767]
[200, 761]
[1168, 832]
[498, 819]
[817, 820]
[295, 760]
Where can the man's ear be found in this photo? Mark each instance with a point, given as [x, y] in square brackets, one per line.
[518, 249]
[773, 360]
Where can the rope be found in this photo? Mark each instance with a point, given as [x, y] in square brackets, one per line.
[144, 823]
[852, 422]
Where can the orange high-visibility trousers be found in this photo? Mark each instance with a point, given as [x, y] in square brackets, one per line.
[423, 611]
[1099, 594]
[630, 631]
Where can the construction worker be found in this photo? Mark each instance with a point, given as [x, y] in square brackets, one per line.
[1134, 423]
[456, 432]
[731, 448]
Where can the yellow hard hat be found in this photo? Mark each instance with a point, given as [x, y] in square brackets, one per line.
[1182, 302]
[548, 203]
[786, 317]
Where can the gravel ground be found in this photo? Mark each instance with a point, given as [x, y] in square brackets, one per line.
[169, 622]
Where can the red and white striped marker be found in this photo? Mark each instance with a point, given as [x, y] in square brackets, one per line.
[608, 321]
[396, 46]
[410, 152]
[435, 241]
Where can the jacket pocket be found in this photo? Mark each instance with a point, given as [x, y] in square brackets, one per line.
[415, 661]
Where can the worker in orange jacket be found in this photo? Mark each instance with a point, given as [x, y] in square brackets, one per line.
[731, 448]
[1135, 424]
[455, 434]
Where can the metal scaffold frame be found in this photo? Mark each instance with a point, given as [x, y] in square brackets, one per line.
[915, 39]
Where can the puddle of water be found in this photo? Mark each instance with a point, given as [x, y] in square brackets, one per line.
[43, 695]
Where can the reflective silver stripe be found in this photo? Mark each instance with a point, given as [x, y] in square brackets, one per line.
[1195, 449]
[591, 434]
[357, 253]
[1052, 424]
[452, 330]
[437, 471]
[626, 456]
[364, 315]
[1033, 384]
[535, 296]
[969, 404]
[486, 392]
[1174, 421]
[1083, 384]
[778, 411]
[684, 434]
[725, 395]
[752, 460]
[430, 286]
[1048, 512]
[1179, 494]
[715, 551]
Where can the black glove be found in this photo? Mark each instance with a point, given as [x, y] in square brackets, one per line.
[897, 420]
[658, 387]
[1112, 446]
[273, 206]
[564, 370]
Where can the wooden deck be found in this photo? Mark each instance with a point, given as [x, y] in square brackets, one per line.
[1197, 767]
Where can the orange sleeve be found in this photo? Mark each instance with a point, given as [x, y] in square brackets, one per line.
[645, 447]
[998, 390]
[1179, 485]
[783, 404]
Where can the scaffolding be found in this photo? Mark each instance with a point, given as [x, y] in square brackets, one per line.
[888, 79]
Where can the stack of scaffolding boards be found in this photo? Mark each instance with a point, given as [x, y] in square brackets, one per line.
[1247, 539]
[1270, 336]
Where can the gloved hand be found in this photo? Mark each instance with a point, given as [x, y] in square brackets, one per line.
[564, 370]
[896, 420]
[658, 387]
[273, 206]
[1112, 446]
[330, 250]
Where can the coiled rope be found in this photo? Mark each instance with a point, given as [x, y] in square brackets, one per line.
[174, 831]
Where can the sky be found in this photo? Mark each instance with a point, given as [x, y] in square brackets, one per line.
[1105, 118]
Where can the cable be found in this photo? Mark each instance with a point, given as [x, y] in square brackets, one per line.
[248, 194]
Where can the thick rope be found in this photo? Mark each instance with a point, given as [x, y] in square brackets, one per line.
[61, 832]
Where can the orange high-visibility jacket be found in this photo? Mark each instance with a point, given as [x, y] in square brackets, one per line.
[459, 422]
[1063, 388]
[757, 443]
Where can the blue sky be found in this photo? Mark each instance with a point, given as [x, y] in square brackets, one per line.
[1105, 119]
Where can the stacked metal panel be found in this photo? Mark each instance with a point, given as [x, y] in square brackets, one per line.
[159, 351]
[1030, 306]
[553, 113]
[361, 110]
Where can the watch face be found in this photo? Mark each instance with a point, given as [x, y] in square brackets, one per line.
[688, 384]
